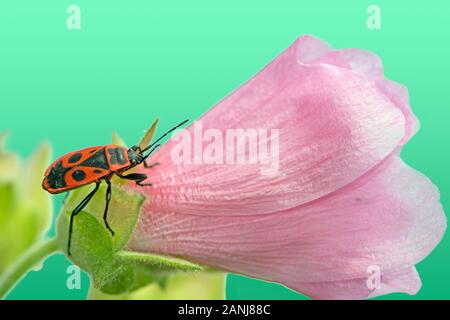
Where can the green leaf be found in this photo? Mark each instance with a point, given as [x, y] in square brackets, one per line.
[25, 208]
[131, 271]
[179, 286]
[34, 199]
[148, 136]
[113, 269]
[117, 140]
[122, 215]
[92, 248]
[9, 162]
[139, 269]
[155, 262]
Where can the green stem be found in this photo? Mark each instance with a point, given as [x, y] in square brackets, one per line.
[28, 260]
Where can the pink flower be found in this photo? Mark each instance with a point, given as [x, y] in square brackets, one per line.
[343, 216]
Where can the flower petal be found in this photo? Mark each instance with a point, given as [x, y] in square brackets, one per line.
[315, 51]
[334, 125]
[390, 218]
[407, 281]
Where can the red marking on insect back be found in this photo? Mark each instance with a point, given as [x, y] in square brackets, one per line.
[77, 157]
[79, 176]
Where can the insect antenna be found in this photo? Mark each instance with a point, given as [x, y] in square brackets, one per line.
[151, 151]
[155, 144]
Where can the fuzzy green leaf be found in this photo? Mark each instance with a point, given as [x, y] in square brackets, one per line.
[122, 215]
[92, 248]
[138, 270]
[178, 286]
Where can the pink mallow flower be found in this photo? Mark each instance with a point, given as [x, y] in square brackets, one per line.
[342, 216]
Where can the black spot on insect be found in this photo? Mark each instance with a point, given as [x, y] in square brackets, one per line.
[97, 160]
[78, 175]
[56, 176]
[97, 171]
[75, 158]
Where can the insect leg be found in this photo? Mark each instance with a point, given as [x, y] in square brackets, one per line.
[136, 177]
[146, 165]
[105, 214]
[77, 210]
[151, 166]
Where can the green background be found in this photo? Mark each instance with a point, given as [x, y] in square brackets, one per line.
[135, 60]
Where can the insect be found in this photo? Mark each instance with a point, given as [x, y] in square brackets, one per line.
[97, 164]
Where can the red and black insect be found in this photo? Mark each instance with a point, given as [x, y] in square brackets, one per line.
[97, 164]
